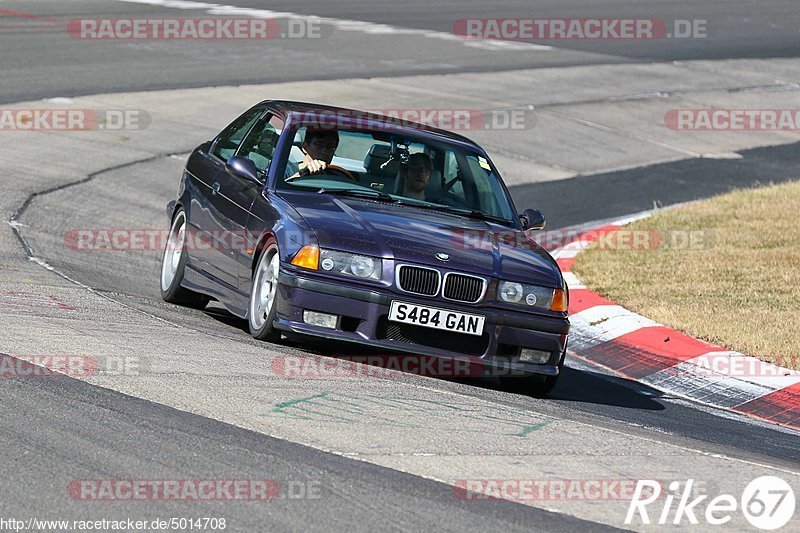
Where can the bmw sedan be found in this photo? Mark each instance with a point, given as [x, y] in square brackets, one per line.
[309, 220]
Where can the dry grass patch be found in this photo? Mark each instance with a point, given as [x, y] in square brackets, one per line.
[738, 286]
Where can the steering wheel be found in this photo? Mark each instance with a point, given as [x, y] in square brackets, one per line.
[339, 170]
[330, 169]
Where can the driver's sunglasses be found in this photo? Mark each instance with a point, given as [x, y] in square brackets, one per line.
[323, 145]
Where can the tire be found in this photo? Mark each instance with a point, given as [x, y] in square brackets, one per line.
[173, 263]
[531, 385]
[264, 296]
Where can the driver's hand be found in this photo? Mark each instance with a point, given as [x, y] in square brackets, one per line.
[315, 166]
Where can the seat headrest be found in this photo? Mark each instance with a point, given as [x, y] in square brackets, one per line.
[378, 155]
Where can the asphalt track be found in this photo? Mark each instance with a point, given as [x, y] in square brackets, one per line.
[132, 278]
[58, 430]
[49, 448]
[32, 47]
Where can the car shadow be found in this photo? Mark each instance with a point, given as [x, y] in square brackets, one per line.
[574, 385]
[589, 387]
[586, 386]
[220, 314]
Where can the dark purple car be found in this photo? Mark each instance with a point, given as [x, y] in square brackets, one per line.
[405, 240]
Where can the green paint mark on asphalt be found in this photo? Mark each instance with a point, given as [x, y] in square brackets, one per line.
[394, 412]
[533, 427]
[279, 406]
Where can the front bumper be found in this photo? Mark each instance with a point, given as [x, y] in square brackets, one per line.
[364, 321]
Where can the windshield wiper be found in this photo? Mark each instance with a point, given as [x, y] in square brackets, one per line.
[361, 193]
[471, 213]
[378, 195]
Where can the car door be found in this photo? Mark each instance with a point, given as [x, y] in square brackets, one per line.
[259, 147]
[213, 243]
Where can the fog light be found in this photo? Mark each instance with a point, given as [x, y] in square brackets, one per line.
[323, 320]
[537, 357]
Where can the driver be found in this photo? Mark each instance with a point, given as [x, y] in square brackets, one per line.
[319, 147]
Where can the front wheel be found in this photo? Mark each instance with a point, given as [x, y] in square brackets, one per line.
[264, 297]
[173, 263]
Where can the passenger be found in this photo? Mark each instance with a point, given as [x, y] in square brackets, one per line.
[417, 176]
[261, 154]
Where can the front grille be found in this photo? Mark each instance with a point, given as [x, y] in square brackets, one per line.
[463, 288]
[418, 280]
[433, 338]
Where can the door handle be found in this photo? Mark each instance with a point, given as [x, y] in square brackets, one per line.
[215, 188]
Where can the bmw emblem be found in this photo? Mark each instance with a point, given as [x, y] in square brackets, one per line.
[441, 256]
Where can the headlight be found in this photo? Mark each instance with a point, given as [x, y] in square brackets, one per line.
[362, 266]
[531, 296]
[359, 266]
[510, 292]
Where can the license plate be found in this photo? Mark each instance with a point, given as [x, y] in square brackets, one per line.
[432, 317]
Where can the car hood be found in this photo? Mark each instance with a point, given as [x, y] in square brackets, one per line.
[416, 235]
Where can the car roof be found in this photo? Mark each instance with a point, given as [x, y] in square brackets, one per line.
[288, 108]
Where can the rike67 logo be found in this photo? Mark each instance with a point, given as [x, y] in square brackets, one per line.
[768, 503]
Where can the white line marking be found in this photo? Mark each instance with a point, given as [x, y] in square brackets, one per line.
[734, 367]
[565, 254]
[680, 397]
[60, 100]
[632, 218]
[572, 281]
[603, 323]
[578, 245]
[723, 155]
[687, 381]
[371, 28]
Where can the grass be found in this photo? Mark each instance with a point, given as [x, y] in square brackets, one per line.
[737, 284]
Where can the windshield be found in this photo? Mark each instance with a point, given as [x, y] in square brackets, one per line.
[407, 170]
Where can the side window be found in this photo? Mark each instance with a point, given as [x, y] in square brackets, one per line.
[454, 185]
[480, 175]
[230, 139]
[450, 165]
[259, 146]
[488, 188]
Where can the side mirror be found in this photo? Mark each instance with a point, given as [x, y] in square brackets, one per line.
[241, 167]
[532, 219]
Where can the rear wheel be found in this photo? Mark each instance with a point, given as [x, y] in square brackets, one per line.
[173, 263]
[264, 296]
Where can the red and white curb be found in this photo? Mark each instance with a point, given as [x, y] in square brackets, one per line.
[638, 348]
